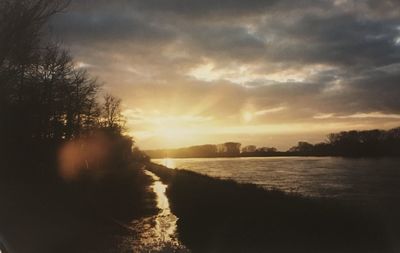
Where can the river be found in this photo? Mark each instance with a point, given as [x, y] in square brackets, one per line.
[343, 178]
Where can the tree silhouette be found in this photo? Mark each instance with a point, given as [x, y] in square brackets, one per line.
[112, 118]
[51, 132]
[44, 96]
[354, 143]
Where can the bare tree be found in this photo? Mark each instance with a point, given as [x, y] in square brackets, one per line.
[21, 24]
[111, 114]
[42, 93]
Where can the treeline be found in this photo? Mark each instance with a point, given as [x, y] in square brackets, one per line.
[43, 95]
[354, 143]
[63, 153]
[347, 143]
[228, 149]
[45, 99]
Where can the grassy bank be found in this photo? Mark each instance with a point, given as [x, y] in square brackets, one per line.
[224, 216]
[80, 216]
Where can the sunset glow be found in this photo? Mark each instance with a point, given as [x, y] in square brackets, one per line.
[258, 76]
[186, 130]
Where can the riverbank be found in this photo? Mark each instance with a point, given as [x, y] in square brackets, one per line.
[224, 216]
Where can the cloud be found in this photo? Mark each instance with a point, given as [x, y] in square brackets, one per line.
[333, 60]
[377, 115]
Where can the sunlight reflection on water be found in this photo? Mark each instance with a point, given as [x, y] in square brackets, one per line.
[167, 162]
[158, 232]
[165, 221]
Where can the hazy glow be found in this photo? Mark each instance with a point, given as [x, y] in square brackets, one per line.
[248, 116]
[179, 131]
[236, 71]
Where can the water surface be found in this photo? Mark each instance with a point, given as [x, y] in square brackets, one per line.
[157, 233]
[355, 179]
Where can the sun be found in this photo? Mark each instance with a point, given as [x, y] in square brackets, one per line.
[247, 117]
[172, 133]
[167, 129]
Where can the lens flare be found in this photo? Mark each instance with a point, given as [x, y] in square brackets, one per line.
[84, 154]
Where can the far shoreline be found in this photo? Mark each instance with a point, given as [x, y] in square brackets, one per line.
[351, 144]
[277, 155]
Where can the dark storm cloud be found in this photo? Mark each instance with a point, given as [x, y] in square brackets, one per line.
[102, 26]
[377, 90]
[345, 51]
[231, 42]
[186, 7]
[339, 39]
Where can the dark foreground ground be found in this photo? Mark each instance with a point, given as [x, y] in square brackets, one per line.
[224, 216]
[53, 216]
[214, 216]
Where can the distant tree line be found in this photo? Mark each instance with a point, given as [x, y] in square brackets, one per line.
[228, 149]
[351, 143]
[354, 143]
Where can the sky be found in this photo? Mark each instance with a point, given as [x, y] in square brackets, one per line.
[263, 72]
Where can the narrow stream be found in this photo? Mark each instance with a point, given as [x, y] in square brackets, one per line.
[156, 233]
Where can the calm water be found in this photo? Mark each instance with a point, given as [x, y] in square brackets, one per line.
[354, 179]
[156, 233]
